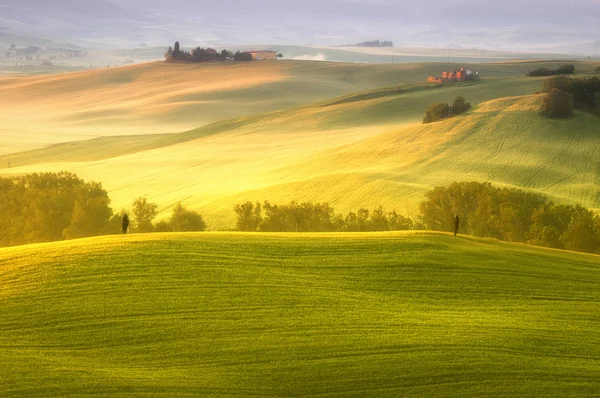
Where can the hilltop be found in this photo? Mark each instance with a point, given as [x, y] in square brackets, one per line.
[354, 314]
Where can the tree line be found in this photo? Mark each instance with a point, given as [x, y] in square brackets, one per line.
[483, 210]
[47, 207]
[200, 54]
[561, 70]
[315, 217]
[511, 215]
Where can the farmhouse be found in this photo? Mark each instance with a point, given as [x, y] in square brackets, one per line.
[455, 75]
[259, 55]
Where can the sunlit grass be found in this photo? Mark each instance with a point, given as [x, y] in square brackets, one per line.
[258, 314]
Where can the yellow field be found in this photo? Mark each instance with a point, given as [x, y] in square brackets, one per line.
[159, 98]
[360, 150]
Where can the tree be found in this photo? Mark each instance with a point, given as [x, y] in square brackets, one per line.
[460, 105]
[125, 223]
[581, 234]
[280, 55]
[143, 214]
[91, 212]
[436, 112]
[249, 217]
[177, 49]
[183, 220]
[379, 221]
[224, 54]
[565, 70]
[557, 104]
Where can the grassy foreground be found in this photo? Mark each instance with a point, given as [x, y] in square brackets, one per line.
[350, 315]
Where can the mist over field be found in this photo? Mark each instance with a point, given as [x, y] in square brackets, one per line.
[525, 25]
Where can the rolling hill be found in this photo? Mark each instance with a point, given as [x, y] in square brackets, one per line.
[363, 149]
[276, 315]
[158, 98]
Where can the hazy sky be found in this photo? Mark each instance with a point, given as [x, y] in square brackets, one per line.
[491, 24]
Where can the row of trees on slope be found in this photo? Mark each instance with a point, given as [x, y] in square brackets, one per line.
[561, 70]
[54, 206]
[48, 207]
[511, 215]
[319, 217]
[484, 210]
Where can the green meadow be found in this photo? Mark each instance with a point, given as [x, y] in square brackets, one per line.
[379, 314]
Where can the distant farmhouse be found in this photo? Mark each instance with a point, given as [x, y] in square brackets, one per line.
[259, 55]
[455, 75]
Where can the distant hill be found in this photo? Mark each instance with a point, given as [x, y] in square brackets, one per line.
[373, 43]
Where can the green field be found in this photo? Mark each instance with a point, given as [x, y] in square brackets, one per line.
[388, 314]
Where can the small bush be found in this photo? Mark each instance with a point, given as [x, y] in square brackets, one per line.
[436, 112]
[460, 105]
[597, 69]
[558, 104]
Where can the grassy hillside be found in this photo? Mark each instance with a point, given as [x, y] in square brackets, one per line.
[346, 315]
[158, 98]
[360, 150]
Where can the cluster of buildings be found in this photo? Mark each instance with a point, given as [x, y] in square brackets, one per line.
[455, 75]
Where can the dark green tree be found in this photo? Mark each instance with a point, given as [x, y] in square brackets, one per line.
[436, 112]
[460, 105]
[557, 104]
[249, 216]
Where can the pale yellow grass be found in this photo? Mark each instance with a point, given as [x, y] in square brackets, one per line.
[201, 173]
[299, 156]
[41, 110]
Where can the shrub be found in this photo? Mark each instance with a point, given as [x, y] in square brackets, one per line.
[460, 105]
[183, 220]
[565, 70]
[436, 112]
[558, 104]
[597, 69]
